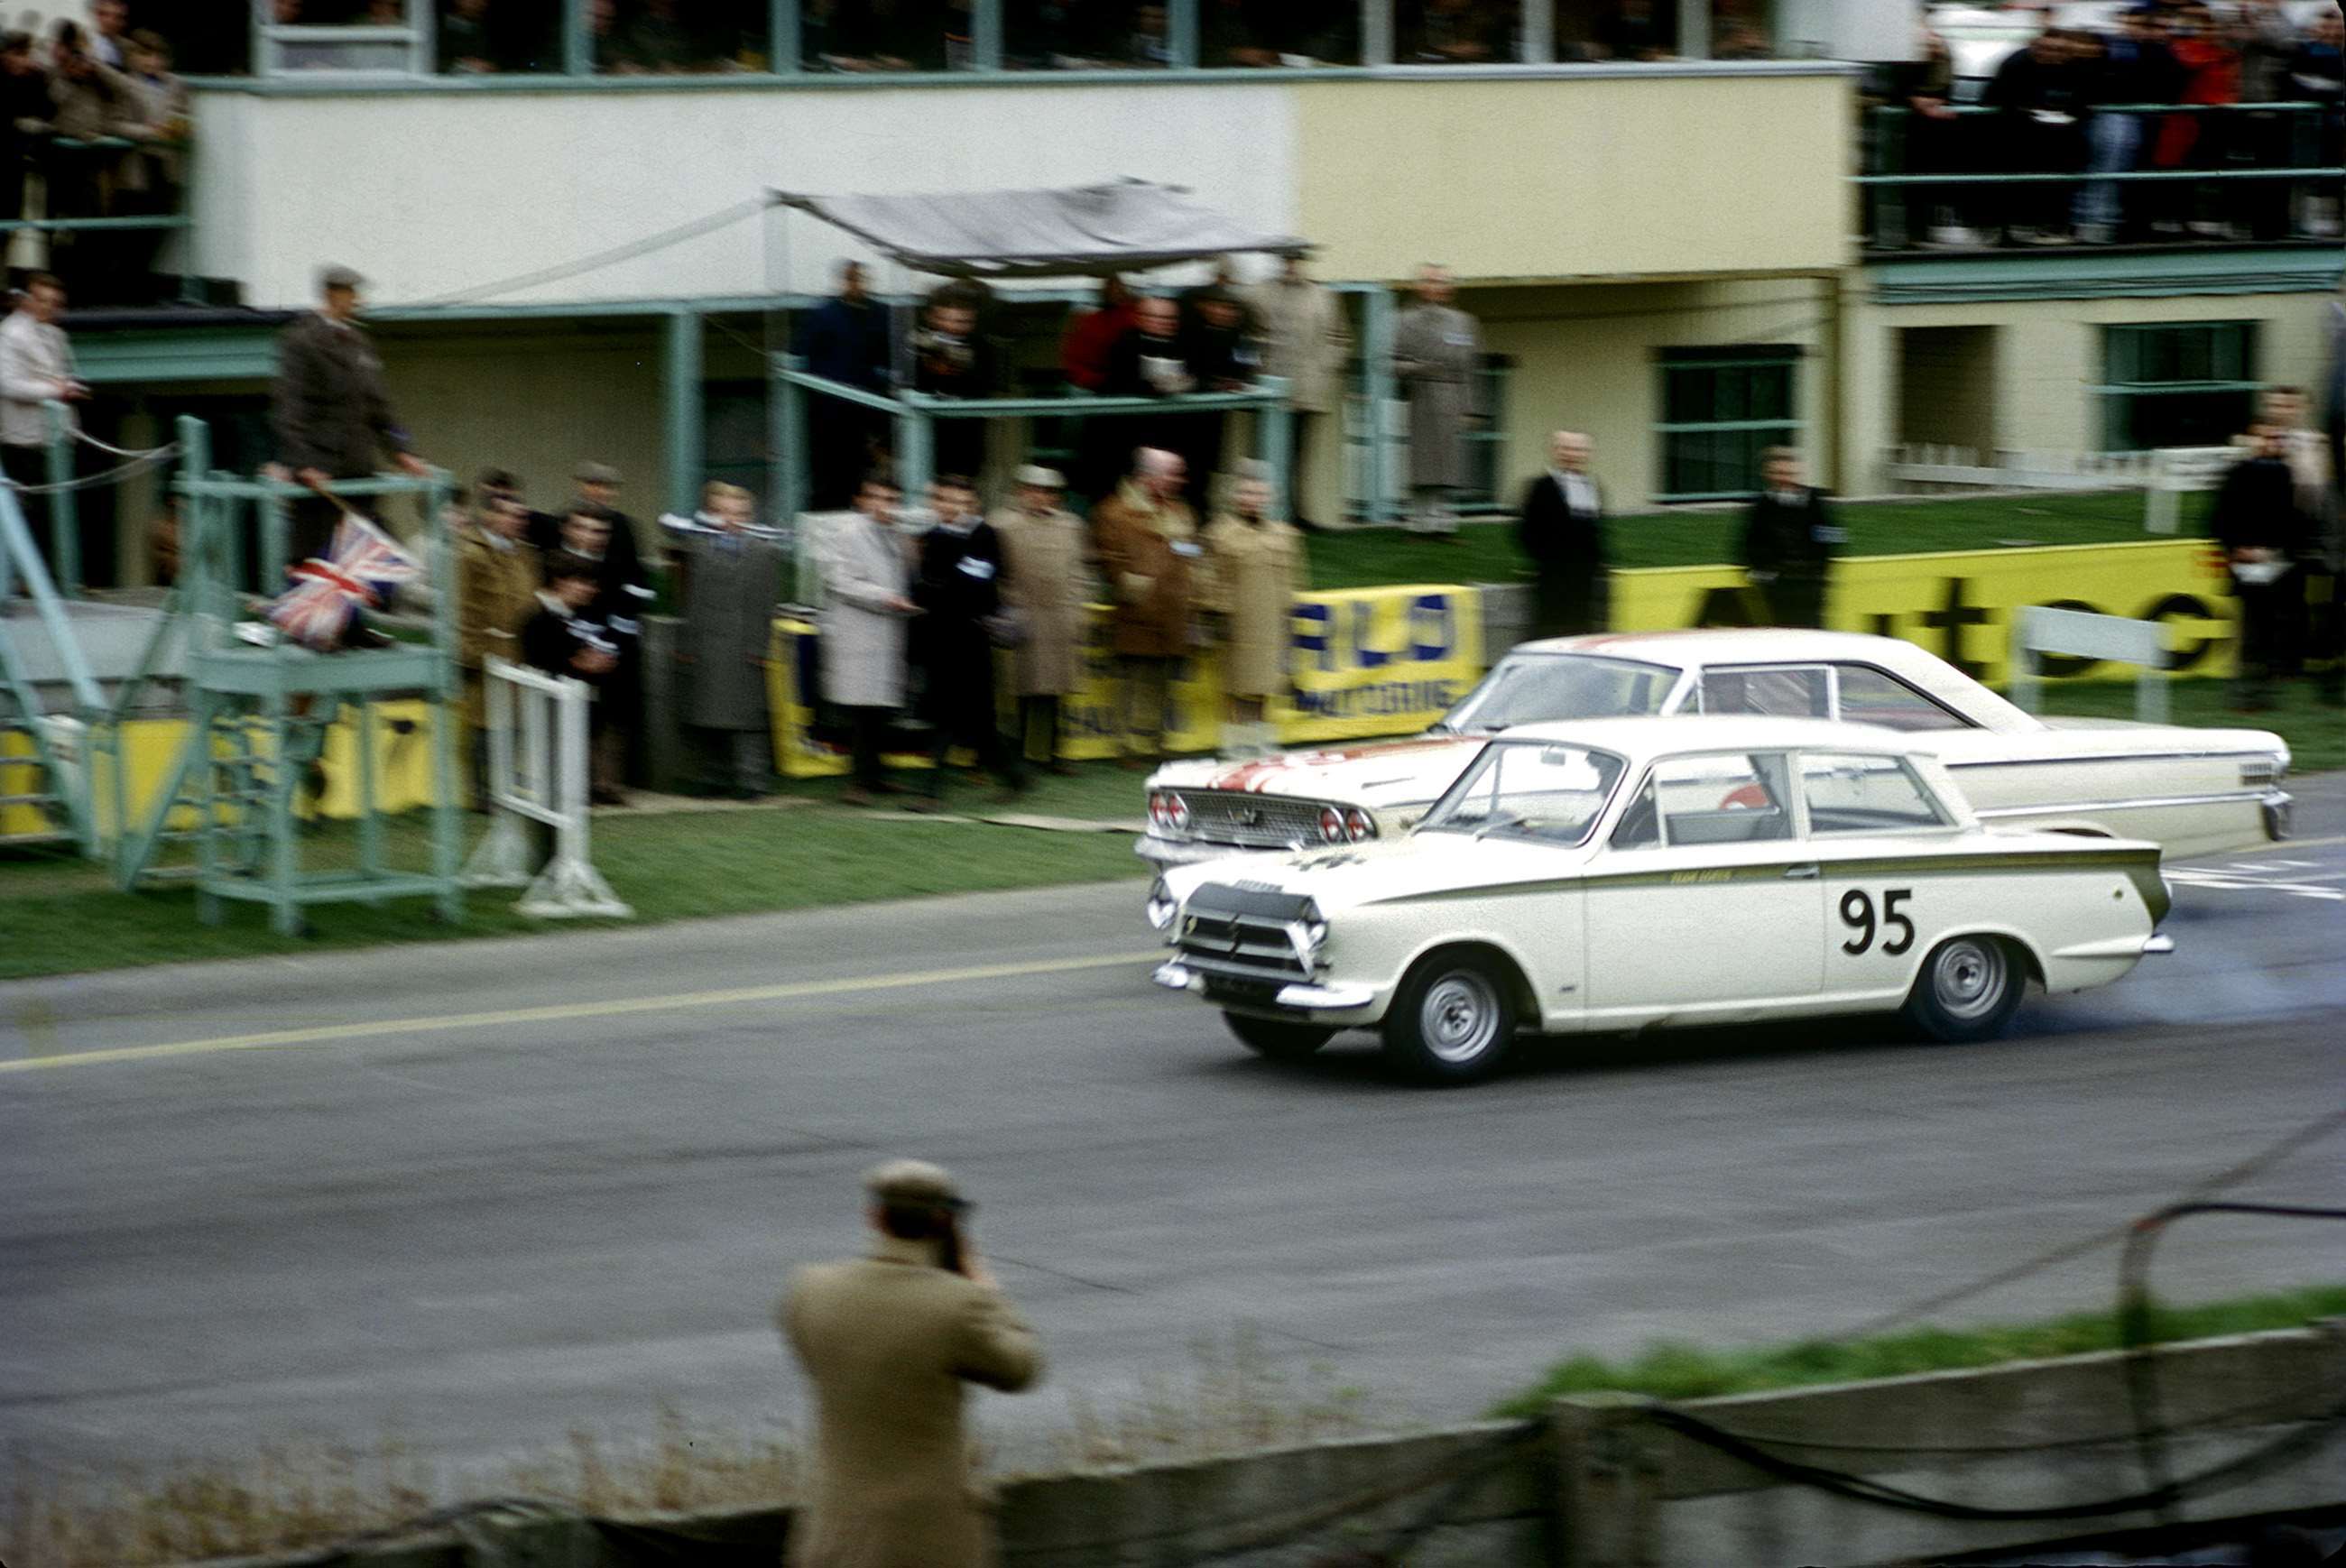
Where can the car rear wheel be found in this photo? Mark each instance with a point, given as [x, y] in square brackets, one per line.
[1969, 989]
[1280, 1040]
[1453, 1020]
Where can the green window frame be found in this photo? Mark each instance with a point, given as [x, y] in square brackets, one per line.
[2177, 383]
[1721, 409]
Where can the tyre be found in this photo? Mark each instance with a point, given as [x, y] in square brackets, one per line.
[1453, 1020]
[1968, 990]
[1280, 1040]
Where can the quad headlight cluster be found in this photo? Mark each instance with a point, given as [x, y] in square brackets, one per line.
[1346, 826]
[1168, 811]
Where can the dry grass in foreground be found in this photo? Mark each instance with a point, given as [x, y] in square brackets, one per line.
[296, 1496]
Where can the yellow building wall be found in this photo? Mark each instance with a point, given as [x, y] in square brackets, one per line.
[1578, 178]
[1587, 359]
[2048, 358]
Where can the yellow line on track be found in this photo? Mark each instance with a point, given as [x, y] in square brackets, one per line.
[566, 1011]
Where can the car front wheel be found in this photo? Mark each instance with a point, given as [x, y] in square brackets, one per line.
[1454, 1019]
[1969, 989]
[1280, 1042]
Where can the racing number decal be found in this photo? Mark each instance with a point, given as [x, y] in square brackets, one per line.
[1857, 913]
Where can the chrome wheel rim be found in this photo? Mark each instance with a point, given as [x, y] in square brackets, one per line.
[1967, 978]
[1459, 1018]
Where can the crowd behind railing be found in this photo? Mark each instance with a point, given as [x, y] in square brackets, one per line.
[93, 149]
[2183, 120]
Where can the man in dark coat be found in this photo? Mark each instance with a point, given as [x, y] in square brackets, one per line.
[1562, 531]
[1790, 539]
[1149, 360]
[332, 415]
[564, 637]
[2261, 529]
[1220, 353]
[952, 359]
[845, 340]
[591, 533]
[959, 591]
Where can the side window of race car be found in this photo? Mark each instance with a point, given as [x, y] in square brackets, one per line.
[1869, 695]
[1641, 824]
[1773, 691]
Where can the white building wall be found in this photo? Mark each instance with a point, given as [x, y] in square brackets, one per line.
[432, 195]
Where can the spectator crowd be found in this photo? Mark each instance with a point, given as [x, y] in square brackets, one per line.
[93, 125]
[2217, 88]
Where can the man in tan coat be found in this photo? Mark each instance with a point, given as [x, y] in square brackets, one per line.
[1046, 584]
[1305, 342]
[1257, 566]
[1148, 551]
[498, 573]
[888, 1341]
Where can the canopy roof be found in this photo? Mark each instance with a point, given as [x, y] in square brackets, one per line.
[1130, 225]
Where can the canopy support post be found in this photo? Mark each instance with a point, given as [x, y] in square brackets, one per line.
[914, 464]
[682, 399]
[1377, 378]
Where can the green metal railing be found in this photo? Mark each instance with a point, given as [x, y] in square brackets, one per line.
[166, 223]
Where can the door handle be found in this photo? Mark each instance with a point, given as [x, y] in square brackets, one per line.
[1803, 873]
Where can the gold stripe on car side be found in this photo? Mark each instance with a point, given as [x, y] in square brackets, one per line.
[2132, 860]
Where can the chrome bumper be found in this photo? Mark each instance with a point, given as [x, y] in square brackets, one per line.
[1301, 998]
[2158, 945]
[2277, 805]
[1159, 851]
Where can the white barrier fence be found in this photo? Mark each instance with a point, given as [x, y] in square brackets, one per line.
[538, 773]
[2165, 475]
[2075, 633]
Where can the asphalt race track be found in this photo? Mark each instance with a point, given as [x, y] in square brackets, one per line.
[474, 1195]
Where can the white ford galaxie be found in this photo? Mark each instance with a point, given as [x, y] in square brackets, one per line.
[2191, 791]
[1622, 874]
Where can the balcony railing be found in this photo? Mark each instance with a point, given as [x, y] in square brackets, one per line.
[1981, 179]
[103, 233]
[323, 44]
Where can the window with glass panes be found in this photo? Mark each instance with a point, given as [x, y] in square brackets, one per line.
[2177, 383]
[1721, 408]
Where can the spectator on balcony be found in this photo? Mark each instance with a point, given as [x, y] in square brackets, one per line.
[1219, 355]
[1054, 36]
[865, 35]
[2040, 94]
[844, 340]
[1147, 42]
[25, 110]
[1091, 337]
[1306, 343]
[1936, 143]
[1147, 361]
[109, 39]
[2265, 138]
[92, 104]
[1438, 361]
[2318, 75]
[466, 47]
[2210, 62]
[952, 359]
[1242, 33]
[1454, 32]
[2130, 66]
[657, 41]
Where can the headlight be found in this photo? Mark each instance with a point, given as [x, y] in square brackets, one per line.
[1157, 815]
[1331, 825]
[1359, 825]
[1162, 906]
[1177, 812]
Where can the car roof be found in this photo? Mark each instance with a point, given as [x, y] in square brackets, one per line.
[1718, 644]
[1640, 739]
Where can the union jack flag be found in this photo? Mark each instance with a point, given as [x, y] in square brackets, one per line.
[363, 566]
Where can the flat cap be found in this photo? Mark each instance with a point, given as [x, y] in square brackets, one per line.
[339, 278]
[912, 1183]
[1039, 477]
[597, 474]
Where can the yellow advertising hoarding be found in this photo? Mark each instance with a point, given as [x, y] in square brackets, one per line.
[1367, 661]
[1961, 604]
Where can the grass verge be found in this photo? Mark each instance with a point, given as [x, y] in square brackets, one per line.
[303, 1494]
[64, 916]
[1486, 553]
[1680, 1372]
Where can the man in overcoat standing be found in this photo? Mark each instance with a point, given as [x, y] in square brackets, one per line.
[1790, 540]
[497, 574]
[867, 590]
[1149, 552]
[1043, 550]
[891, 1343]
[1437, 355]
[331, 411]
[1257, 567]
[732, 579]
[959, 590]
[1304, 341]
[1562, 530]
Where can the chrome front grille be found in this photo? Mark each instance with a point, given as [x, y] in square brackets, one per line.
[1232, 933]
[1252, 821]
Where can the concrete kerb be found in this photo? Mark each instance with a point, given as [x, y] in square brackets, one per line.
[1606, 1487]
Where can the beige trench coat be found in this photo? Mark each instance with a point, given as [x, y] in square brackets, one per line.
[497, 594]
[1304, 340]
[1257, 571]
[864, 565]
[1047, 583]
[888, 1341]
[1437, 354]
